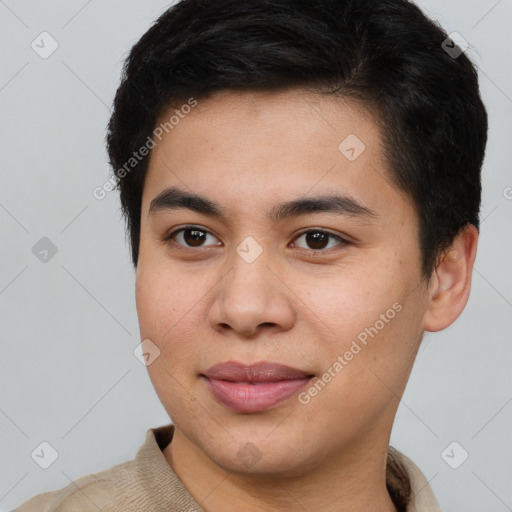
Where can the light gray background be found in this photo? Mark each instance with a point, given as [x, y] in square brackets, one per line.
[67, 372]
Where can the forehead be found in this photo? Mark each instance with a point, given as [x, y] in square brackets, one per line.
[261, 147]
[293, 115]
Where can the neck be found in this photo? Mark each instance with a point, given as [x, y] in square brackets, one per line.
[352, 481]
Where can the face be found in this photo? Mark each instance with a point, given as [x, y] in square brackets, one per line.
[279, 276]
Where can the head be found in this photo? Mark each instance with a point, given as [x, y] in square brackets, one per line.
[309, 195]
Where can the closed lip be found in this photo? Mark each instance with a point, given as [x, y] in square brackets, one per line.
[253, 388]
[262, 371]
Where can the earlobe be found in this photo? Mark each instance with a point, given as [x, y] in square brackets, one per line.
[450, 282]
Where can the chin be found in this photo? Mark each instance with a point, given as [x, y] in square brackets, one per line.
[254, 464]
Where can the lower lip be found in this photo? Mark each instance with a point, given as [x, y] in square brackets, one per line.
[246, 397]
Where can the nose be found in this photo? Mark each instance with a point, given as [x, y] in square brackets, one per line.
[251, 299]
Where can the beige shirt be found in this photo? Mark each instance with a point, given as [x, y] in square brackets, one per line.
[149, 484]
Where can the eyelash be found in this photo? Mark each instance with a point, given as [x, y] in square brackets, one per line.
[341, 241]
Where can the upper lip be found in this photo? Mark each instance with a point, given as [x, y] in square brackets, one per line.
[258, 372]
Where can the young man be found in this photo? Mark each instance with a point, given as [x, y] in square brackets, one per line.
[301, 182]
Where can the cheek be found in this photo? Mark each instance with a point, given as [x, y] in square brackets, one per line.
[366, 373]
[380, 355]
[345, 302]
[370, 318]
[163, 299]
[168, 314]
[169, 309]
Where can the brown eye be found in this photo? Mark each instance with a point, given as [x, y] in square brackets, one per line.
[318, 240]
[194, 237]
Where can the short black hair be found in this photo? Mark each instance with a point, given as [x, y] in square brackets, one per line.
[385, 54]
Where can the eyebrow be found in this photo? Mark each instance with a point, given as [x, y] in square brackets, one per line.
[174, 198]
[337, 204]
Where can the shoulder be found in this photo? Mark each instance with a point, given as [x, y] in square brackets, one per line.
[420, 495]
[106, 491]
[144, 484]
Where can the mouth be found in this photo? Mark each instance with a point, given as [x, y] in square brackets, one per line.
[253, 388]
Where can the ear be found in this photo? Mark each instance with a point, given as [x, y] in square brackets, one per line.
[450, 282]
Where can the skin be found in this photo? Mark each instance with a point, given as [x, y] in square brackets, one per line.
[293, 305]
